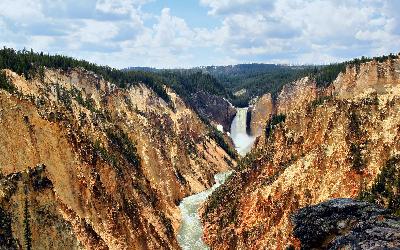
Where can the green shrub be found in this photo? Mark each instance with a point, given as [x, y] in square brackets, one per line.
[5, 83]
[356, 139]
[218, 137]
[273, 122]
[358, 162]
[124, 145]
[320, 101]
[27, 226]
[386, 189]
[6, 237]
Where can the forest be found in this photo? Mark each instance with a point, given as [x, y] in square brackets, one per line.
[247, 81]
[32, 64]
[238, 83]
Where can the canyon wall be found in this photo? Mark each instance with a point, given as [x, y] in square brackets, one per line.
[87, 165]
[293, 97]
[320, 144]
[215, 108]
[259, 113]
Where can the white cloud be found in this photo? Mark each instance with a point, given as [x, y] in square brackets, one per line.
[171, 31]
[120, 33]
[20, 10]
[119, 6]
[227, 7]
[94, 31]
[306, 30]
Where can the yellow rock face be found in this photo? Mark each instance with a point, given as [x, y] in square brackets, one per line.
[260, 113]
[332, 146]
[68, 152]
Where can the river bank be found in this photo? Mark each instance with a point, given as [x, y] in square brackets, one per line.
[191, 231]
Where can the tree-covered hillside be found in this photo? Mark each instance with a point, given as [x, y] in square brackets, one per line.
[31, 64]
[246, 81]
[186, 82]
[238, 83]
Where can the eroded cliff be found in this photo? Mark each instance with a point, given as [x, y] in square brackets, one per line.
[86, 164]
[215, 108]
[320, 144]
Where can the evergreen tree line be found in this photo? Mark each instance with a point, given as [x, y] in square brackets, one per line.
[255, 79]
[31, 65]
[187, 82]
[325, 75]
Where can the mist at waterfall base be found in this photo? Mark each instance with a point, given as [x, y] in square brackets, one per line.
[191, 231]
[241, 139]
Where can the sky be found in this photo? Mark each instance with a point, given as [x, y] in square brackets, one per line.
[188, 33]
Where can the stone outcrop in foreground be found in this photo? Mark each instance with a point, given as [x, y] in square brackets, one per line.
[346, 224]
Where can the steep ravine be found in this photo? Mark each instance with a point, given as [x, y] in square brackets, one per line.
[191, 231]
[88, 165]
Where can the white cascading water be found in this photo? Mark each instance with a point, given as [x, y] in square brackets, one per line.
[191, 231]
[242, 140]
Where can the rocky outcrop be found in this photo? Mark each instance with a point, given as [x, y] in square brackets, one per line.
[215, 108]
[346, 224]
[294, 97]
[30, 216]
[259, 113]
[113, 163]
[334, 145]
[367, 78]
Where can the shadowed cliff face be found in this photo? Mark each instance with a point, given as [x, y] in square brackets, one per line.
[214, 108]
[114, 162]
[317, 146]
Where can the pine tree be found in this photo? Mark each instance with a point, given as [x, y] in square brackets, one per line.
[27, 226]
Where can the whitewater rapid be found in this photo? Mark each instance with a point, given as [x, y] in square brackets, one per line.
[191, 231]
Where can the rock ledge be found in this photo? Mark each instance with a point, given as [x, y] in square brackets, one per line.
[346, 224]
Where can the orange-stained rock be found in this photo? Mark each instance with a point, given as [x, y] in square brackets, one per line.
[116, 162]
[327, 147]
[260, 113]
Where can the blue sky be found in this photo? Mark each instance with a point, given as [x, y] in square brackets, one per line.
[187, 33]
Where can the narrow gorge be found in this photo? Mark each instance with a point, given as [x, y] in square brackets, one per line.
[86, 164]
[191, 230]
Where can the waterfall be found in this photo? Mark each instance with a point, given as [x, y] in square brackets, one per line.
[190, 231]
[242, 140]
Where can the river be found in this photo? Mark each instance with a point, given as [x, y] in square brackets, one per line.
[191, 231]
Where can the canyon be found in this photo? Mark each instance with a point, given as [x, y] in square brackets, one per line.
[197, 125]
[191, 231]
[90, 163]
